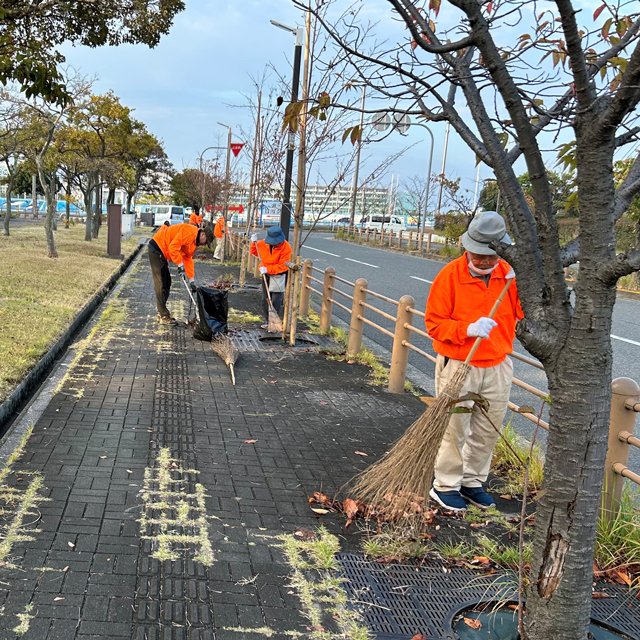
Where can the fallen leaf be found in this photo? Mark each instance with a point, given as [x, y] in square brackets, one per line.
[102, 457]
[324, 403]
[71, 544]
[624, 577]
[418, 636]
[474, 624]
[478, 525]
[129, 471]
[506, 496]
[513, 606]
[350, 508]
[361, 453]
[65, 570]
[58, 598]
[305, 534]
[481, 560]
[321, 498]
[273, 381]
[290, 593]
[318, 628]
[599, 595]
[250, 441]
[320, 511]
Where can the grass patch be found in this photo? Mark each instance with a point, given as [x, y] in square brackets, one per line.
[395, 544]
[242, 317]
[503, 555]
[618, 540]
[39, 296]
[508, 467]
[454, 551]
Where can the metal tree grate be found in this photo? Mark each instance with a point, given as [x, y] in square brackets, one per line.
[400, 600]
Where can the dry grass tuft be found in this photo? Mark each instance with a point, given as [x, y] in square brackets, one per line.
[40, 296]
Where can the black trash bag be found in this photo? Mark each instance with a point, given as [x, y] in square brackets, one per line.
[213, 311]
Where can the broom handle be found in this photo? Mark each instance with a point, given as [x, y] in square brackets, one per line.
[267, 288]
[496, 304]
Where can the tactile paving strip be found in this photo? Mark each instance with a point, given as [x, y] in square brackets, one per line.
[400, 600]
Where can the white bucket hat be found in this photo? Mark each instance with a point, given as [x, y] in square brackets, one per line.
[485, 228]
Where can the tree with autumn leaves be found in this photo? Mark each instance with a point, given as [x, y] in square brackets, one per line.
[515, 79]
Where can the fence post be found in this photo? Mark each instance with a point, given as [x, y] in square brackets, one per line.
[390, 237]
[382, 235]
[420, 241]
[428, 242]
[400, 353]
[368, 231]
[304, 292]
[327, 305]
[356, 326]
[410, 247]
[400, 239]
[622, 418]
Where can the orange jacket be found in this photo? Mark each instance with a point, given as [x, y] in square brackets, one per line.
[196, 219]
[178, 244]
[274, 259]
[457, 299]
[218, 230]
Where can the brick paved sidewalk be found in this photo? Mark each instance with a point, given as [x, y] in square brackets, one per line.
[150, 499]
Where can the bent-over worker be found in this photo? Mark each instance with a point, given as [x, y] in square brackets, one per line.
[195, 218]
[176, 244]
[274, 252]
[460, 299]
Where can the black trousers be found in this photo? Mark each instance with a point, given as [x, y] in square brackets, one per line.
[161, 281]
[276, 298]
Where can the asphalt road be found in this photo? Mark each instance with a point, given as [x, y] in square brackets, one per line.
[394, 275]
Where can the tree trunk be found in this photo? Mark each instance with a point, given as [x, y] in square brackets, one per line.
[97, 216]
[111, 196]
[7, 215]
[579, 374]
[67, 205]
[50, 198]
[88, 205]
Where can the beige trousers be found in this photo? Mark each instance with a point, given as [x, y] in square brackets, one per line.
[465, 454]
[218, 250]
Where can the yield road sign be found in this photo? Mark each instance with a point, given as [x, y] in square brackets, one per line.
[236, 148]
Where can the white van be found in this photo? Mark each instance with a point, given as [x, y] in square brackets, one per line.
[390, 223]
[158, 214]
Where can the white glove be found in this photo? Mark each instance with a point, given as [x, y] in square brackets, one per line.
[263, 269]
[254, 238]
[481, 328]
[511, 274]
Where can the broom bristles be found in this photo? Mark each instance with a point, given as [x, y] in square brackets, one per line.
[224, 347]
[274, 324]
[402, 478]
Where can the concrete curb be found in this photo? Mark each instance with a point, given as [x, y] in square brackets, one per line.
[10, 408]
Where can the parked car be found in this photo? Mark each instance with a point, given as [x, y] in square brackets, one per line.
[389, 223]
[155, 215]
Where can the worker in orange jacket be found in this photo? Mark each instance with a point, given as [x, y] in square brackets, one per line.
[460, 299]
[176, 243]
[218, 232]
[274, 252]
[195, 218]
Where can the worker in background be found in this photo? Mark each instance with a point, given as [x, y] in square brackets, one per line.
[218, 232]
[274, 252]
[460, 299]
[176, 244]
[195, 218]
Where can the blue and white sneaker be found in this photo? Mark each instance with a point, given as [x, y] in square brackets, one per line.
[478, 497]
[449, 500]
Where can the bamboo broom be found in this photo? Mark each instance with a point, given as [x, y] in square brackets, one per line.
[274, 324]
[224, 347]
[396, 484]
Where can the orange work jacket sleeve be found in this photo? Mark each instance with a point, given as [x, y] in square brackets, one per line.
[178, 244]
[195, 219]
[274, 260]
[457, 299]
[218, 230]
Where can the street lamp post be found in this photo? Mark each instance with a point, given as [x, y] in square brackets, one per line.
[354, 185]
[226, 193]
[285, 213]
[202, 176]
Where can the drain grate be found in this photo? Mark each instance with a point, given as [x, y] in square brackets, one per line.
[252, 340]
[400, 600]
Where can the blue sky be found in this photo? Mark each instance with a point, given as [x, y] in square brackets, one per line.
[183, 87]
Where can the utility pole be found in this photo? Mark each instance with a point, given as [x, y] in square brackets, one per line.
[354, 184]
[250, 205]
[444, 162]
[226, 192]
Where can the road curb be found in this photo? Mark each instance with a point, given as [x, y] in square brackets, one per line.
[12, 406]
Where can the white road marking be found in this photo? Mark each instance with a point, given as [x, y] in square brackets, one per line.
[335, 255]
[421, 279]
[626, 340]
[364, 263]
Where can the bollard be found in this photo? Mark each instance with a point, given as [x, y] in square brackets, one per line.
[327, 305]
[305, 293]
[622, 419]
[400, 353]
[357, 313]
